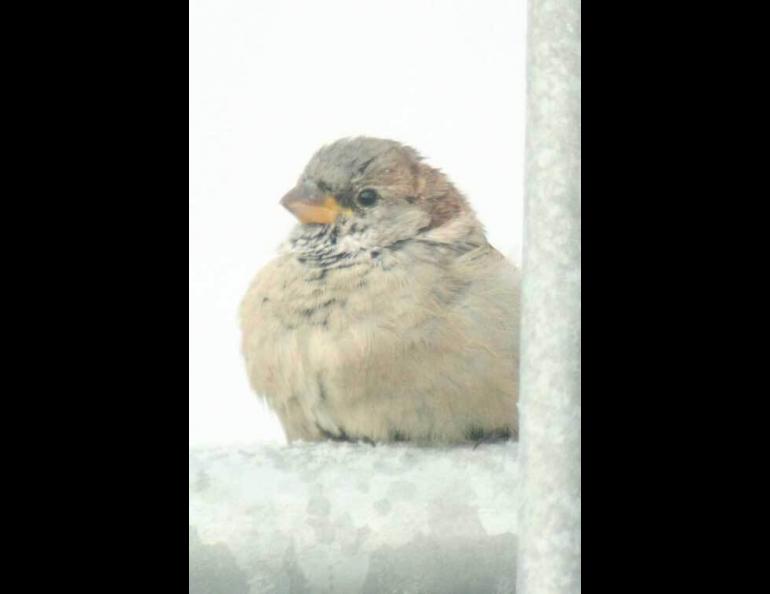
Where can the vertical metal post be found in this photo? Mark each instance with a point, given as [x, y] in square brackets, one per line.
[549, 546]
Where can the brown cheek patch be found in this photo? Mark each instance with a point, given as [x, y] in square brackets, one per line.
[444, 203]
[442, 209]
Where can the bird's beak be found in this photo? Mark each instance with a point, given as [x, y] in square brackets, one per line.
[311, 206]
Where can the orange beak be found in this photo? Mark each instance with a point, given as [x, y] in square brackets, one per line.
[312, 207]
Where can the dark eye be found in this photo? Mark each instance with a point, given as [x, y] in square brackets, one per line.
[367, 197]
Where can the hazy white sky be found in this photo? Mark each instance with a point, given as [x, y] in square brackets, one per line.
[273, 80]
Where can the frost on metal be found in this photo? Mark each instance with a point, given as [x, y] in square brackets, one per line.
[550, 405]
[315, 518]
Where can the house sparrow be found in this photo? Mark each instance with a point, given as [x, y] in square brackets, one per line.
[387, 316]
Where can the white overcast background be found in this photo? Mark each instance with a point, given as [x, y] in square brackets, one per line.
[273, 80]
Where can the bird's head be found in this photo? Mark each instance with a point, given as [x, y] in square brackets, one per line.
[375, 193]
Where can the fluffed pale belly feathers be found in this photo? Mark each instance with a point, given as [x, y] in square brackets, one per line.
[395, 346]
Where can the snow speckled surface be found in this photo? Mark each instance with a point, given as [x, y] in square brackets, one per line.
[550, 397]
[329, 517]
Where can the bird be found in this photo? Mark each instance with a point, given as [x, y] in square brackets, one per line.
[386, 315]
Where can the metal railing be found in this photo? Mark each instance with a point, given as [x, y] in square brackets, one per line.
[549, 522]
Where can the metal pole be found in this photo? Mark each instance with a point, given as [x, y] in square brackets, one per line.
[549, 545]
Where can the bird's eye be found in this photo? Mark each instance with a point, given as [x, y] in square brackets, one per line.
[367, 197]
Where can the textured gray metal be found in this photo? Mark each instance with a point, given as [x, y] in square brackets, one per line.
[342, 518]
[549, 546]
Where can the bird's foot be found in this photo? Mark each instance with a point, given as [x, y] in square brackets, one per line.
[495, 436]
